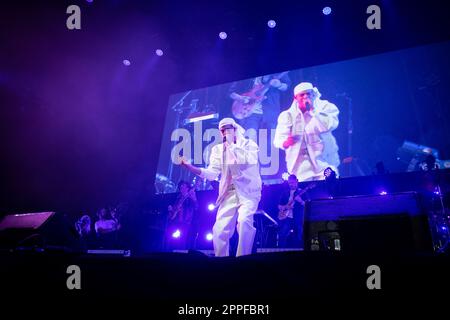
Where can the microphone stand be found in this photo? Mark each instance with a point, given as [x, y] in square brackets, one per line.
[350, 132]
[349, 129]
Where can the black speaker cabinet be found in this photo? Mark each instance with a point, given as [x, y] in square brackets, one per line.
[390, 223]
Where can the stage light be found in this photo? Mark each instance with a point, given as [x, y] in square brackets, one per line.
[209, 236]
[176, 234]
[271, 23]
[126, 62]
[223, 35]
[90, 1]
[285, 176]
[211, 207]
[326, 11]
[159, 52]
[383, 193]
[201, 116]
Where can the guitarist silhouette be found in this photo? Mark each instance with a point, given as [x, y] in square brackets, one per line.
[182, 214]
[290, 214]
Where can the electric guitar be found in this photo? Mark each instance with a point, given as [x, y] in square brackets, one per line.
[284, 209]
[243, 107]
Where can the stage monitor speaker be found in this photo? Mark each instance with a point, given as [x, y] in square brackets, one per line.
[390, 223]
[44, 230]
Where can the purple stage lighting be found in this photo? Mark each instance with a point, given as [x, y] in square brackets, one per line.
[211, 207]
[383, 193]
[126, 62]
[223, 35]
[285, 176]
[176, 234]
[209, 236]
[271, 23]
[159, 52]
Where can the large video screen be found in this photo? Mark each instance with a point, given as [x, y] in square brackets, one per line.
[382, 114]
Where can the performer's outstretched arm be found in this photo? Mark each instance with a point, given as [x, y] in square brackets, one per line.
[212, 171]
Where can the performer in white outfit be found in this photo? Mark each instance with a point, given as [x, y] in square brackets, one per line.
[236, 160]
[304, 132]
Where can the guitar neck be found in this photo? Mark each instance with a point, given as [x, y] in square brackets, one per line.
[305, 190]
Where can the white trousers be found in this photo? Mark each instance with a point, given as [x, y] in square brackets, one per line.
[305, 170]
[231, 209]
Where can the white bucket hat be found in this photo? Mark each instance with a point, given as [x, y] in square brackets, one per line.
[227, 121]
[306, 86]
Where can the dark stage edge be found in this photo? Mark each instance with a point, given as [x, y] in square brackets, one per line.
[288, 282]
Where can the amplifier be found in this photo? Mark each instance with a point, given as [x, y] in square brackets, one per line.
[368, 223]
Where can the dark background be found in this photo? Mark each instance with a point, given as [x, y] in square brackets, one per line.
[80, 130]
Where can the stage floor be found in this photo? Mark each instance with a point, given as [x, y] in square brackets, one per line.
[196, 276]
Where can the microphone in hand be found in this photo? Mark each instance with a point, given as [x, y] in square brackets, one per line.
[308, 105]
